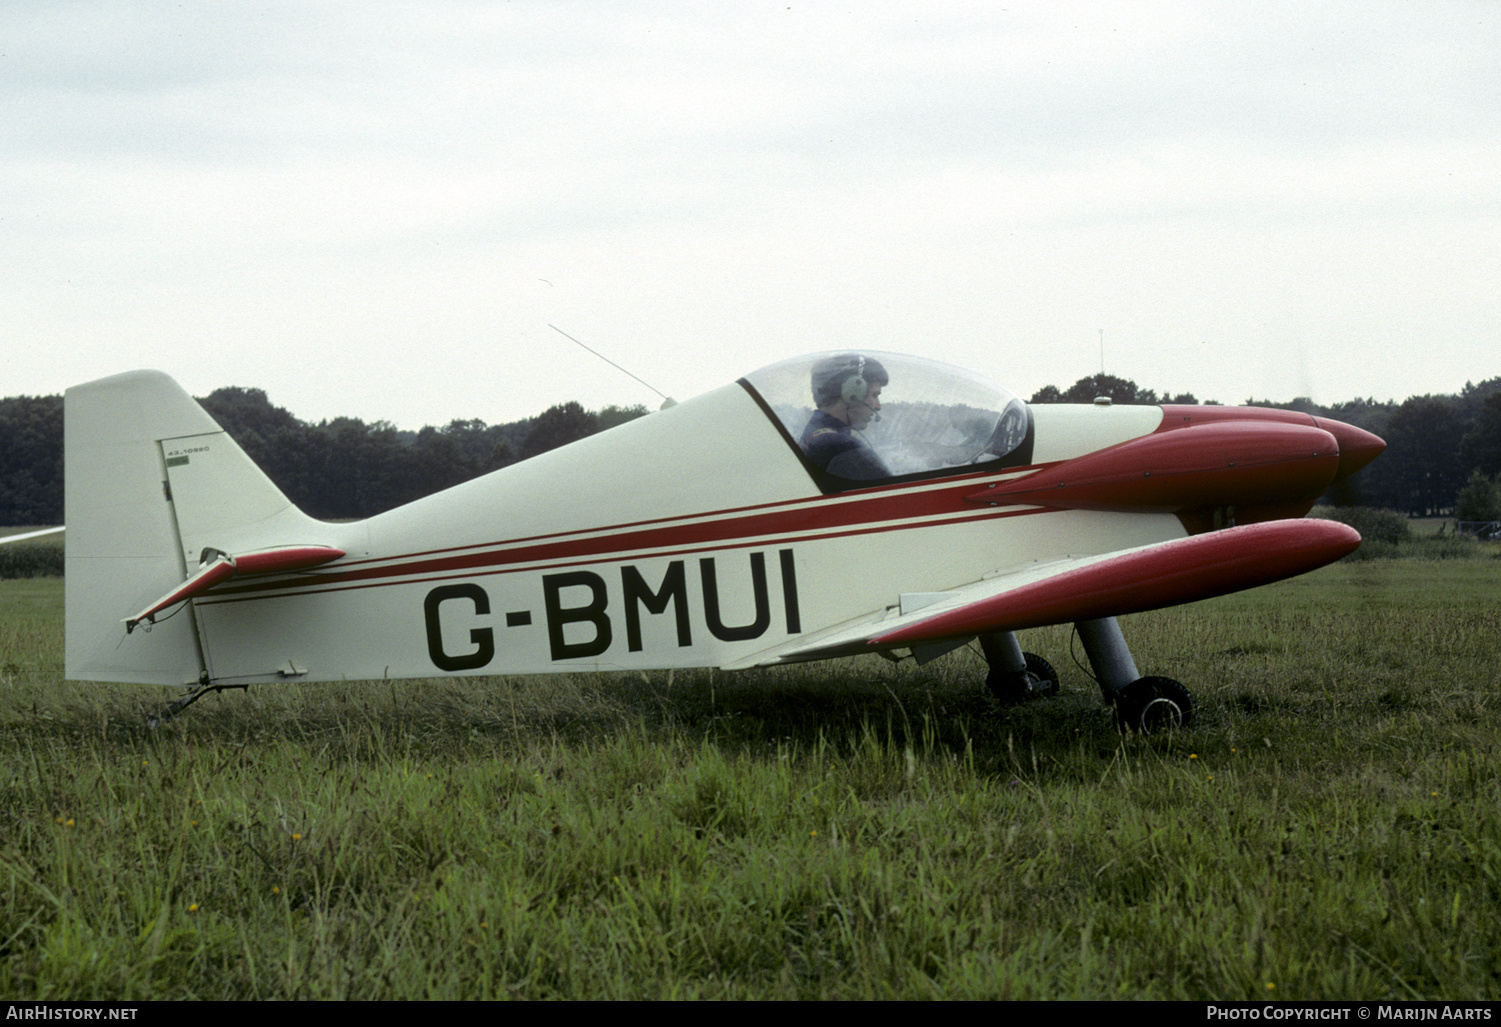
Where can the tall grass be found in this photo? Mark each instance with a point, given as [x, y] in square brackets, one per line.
[848, 830]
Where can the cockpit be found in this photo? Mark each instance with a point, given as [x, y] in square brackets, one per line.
[859, 418]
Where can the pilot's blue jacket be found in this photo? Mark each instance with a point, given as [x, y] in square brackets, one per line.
[834, 446]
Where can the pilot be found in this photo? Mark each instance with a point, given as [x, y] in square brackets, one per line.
[847, 392]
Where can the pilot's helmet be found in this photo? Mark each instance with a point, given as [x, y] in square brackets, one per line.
[847, 376]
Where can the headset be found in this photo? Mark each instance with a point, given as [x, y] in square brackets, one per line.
[855, 389]
[848, 377]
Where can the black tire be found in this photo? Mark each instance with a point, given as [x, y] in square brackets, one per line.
[1043, 671]
[1039, 679]
[1154, 705]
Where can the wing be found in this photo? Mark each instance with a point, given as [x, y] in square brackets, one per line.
[1086, 588]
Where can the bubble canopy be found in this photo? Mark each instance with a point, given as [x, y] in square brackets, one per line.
[859, 417]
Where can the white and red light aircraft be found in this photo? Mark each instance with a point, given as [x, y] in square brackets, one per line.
[824, 506]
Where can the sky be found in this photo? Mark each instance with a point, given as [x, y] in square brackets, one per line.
[378, 209]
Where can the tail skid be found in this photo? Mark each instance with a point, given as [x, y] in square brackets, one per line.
[153, 482]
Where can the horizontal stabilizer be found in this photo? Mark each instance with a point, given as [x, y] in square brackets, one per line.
[216, 567]
[32, 534]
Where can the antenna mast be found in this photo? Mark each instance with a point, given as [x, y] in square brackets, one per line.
[668, 399]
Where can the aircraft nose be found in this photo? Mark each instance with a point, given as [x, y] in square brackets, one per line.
[1357, 447]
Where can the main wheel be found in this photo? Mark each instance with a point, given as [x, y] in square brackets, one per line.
[1153, 705]
[1045, 678]
[1039, 679]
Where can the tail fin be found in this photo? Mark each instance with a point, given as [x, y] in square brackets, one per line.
[152, 481]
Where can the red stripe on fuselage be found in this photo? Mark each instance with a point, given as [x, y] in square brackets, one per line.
[798, 520]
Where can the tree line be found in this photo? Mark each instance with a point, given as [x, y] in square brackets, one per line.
[1443, 452]
[336, 469]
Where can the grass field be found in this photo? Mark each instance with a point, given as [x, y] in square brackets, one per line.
[1331, 827]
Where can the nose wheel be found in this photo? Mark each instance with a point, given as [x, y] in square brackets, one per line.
[1152, 705]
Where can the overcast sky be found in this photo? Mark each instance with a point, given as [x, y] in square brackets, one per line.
[377, 208]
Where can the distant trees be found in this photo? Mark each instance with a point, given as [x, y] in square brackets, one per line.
[1421, 473]
[342, 468]
[1434, 443]
[31, 460]
[558, 426]
[1443, 452]
[1087, 390]
[249, 417]
[349, 468]
[1479, 500]
[1480, 448]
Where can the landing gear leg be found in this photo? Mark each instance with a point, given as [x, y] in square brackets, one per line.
[1144, 705]
[1015, 675]
[1109, 656]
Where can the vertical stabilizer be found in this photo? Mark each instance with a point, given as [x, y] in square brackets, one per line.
[151, 480]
